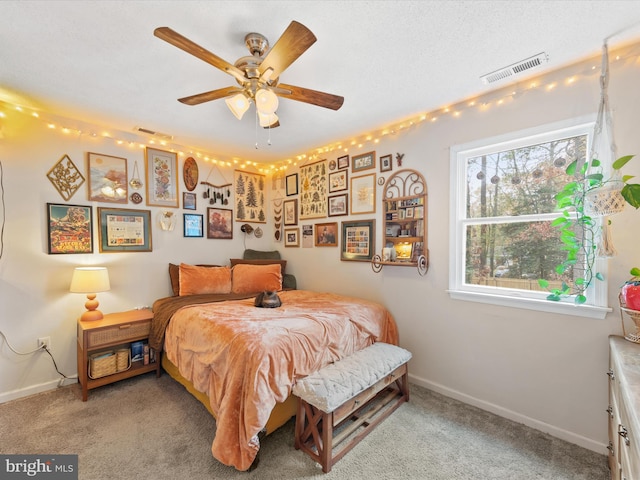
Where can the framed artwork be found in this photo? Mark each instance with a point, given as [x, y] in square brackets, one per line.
[313, 190]
[193, 225]
[307, 236]
[66, 177]
[332, 165]
[290, 212]
[190, 174]
[386, 163]
[358, 241]
[291, 237]
[108, 178]
[70, 228]
[292, 184]
[326, 234]
[189, 200]
[363, 194]
[162, 178]
[124, 230]
[219, 223]
[338, 181]
[343, 162]
[250, 201]
[364, 161]
[338, 205]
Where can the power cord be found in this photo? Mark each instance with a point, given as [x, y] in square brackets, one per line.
[42, 347]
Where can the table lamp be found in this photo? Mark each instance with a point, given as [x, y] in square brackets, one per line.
[90, 280]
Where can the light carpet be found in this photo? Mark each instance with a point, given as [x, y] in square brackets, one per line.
[150, 428]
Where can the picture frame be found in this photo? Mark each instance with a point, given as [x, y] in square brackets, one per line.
[291, 237]
[250, 197]
[386, 163]
[364, 161]
[70, 229]
[193, 225]
[124, 230]
[65, 177]
[291, 183]
[314, 190]
[219, 223]
[338, 205]
[161, 169]
[189, 200]
[326, 234]
[108, 178]
[358, 241]
[363, 194]
[290, 212]
[343, 162]
[338, 181]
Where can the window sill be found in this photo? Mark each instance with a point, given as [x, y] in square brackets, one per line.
[563, 308]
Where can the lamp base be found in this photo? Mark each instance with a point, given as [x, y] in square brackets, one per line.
[91, 316]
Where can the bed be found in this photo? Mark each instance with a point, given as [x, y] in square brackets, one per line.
[242, 361]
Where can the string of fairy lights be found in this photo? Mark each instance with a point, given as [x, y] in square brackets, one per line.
[552, 81]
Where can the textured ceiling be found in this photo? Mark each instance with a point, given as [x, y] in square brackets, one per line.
[98, 61]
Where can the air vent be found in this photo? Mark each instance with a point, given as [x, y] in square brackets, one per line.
[515, 69]
[163, 136]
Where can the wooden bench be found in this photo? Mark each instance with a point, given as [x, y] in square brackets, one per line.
[341, 403]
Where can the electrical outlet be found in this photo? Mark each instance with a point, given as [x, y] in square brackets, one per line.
[44, 341]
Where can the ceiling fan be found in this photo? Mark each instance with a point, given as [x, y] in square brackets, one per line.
[257, 74]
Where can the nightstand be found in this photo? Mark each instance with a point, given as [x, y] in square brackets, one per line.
[115, 332]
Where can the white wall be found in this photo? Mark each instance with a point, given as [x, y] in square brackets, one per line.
[542, 369]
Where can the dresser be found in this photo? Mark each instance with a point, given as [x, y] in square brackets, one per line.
[624, 409]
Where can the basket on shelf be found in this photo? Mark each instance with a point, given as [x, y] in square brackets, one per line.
[102, 364]
[123, 359]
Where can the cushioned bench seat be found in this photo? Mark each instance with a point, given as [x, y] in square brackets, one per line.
[349, 397]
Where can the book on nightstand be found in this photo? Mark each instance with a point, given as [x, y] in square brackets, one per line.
[137, 351]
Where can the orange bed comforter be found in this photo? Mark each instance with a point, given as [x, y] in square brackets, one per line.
[246, 359]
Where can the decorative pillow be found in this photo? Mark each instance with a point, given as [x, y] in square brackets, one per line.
[282, 263]
[195, 280]
[248, 278]
[174, 276]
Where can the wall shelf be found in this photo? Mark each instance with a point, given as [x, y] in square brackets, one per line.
[404, 206]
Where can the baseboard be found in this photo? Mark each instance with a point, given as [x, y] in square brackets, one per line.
[33, 389]
[552, 430]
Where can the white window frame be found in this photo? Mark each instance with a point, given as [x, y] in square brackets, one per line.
[596, 306]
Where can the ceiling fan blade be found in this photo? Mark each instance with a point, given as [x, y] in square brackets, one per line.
[183, 43]
[295, 40]
[321, 99]
[209, 96]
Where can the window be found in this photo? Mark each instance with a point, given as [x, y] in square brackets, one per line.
[503, 203]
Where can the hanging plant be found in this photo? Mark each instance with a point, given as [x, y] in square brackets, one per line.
[581, 203]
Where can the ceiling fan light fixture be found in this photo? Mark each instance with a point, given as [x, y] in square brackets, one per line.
[238, 104]
[266, 101]
[267, 119]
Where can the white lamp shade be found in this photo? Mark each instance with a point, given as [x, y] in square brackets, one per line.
[238, 104]
[267, 120]
[90, 280]
[266, 101]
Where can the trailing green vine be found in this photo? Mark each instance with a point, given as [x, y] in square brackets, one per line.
[579, 232]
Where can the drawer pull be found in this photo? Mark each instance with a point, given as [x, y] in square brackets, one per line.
[122, 327]
[622, 431]
[611, 375]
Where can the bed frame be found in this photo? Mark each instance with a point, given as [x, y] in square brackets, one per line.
[280, 414]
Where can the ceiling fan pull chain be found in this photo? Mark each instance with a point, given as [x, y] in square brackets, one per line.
[256, 118]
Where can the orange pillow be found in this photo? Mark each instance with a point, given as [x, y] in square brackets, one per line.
[196, 280]
[248, 278]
